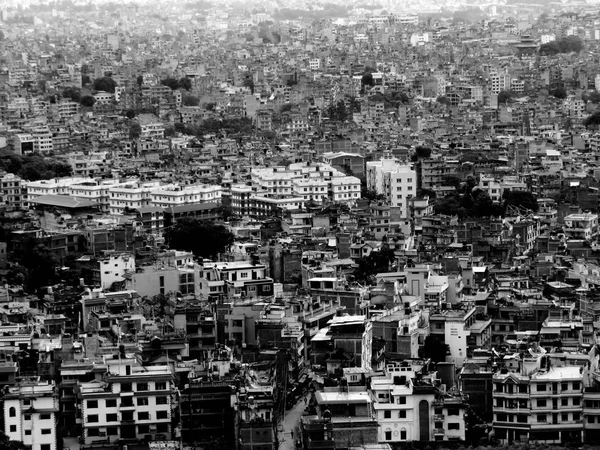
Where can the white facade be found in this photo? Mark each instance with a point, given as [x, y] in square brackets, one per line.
[132, 196]
[43, 140]
[57, 186]
[167, 196]
[398, 183]
[113, 268]
[30, 415]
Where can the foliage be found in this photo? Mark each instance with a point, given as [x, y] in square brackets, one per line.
[593, 97]
[376, 262]
[135, 130]
[434, 349]
[203, 239]
[186, 83]
[520, 199]
[592, 120]
[367, 79]
[106, 84]
[286, 107]
[338, 112]
[34, 167]
[249, 82]
[173, 83]
[39, 264]
[190, 100]
[565, 45]
[559, 92]
[443, 100]
[88, 100]
[130, 114]
[370, 194]
[422, 151]
[505, 97]
[472, 203]
[72, 93]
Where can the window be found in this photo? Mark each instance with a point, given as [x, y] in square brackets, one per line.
[564, 386]
[564, 417]
[576, 401]
[27, 417]
[402, 400]
[12, 412]
[402, 414]
[46, 431]
[126, 387]
[403, 434]
[453, 411]
[13, 428]
[161, 400]
[387, 414]
[575, 385]
[45, 416]
[143, 429]
[142, 386]
[162, 414]
[143, 415]
[93, 418]
[111, 418]
[388, 435]
[564, 402]
[454, 426]
[111, 403]
[541, 403]
[541, 387]
[112, 431]
[45, 447]
[541, 418]
[162, 427]
[142, 401]
[576, 417]
[244, 275]
[161, 386]
[28, 432]
[267, 288]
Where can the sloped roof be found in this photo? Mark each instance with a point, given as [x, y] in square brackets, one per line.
[63, 201]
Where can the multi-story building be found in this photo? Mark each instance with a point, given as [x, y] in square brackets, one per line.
[398, 183]
[408, 408]
[238, 279]
[581, 226]
[538, 400]
[54, 186]
[255, 420]
[30, 411]
[168, 196]
[130, 196]
[12, 191]
[132, 404]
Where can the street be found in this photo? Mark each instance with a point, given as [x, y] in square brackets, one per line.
[290, 422]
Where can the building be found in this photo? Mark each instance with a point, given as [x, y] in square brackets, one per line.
[581, 227]
[30, 414]
[538, 400]
[132, 405]
[398, 183]
[170, 196]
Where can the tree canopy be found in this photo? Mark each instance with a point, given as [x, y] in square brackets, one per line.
[564, 45]
[88, 100]
[435, 349]
[106, 84]
[592, 120]
[376, 262]
[204, 239]
[35, 167]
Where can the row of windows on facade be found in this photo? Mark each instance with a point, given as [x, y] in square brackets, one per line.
[540, 418]
[114, 431]
[540, 387]
[141, 401]
[142, 415]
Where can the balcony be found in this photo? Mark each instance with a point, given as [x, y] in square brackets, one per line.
[438, 432]
[438, 417]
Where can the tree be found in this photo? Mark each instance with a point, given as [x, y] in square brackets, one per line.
[520, 199]
[367, 79]
[85, 79]
[376, 262]
[72, 93]
[592, 120]
[505, 97]
[203, 239]
[190, 100]
[106, 84]
[186, 83]
[443, 100]
[135, 130]
[422, 151]
[172, 83]
[140, 80]
[130, 114]
[249, 82]
[560, 92]
[88, 100]
[435, 349]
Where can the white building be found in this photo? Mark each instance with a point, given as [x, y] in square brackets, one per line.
[133, 195]
[56, 186]
[30, 414]
[168, 196]
[42, 140]
[397, 182]
[114, 267]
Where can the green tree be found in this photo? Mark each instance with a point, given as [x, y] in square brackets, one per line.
[376, 262]
[135, 130]
[505, 97]
[172, 83]
[72, 93]
[106, 84]
[186, 83]
[559, 92]
[88, 100]
[592, 120]
[190, 100]
[520, 199]
[203, 239]
[435, 349]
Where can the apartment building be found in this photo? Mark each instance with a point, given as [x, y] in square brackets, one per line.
[407, 408]
[54, 186]
[43, 142]
[581, 226]
[134, 195]
[397, 182]
[237, 279]
[132, 404]
[12, 191]
[30, 414]
[538, 400]
[169, 196]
